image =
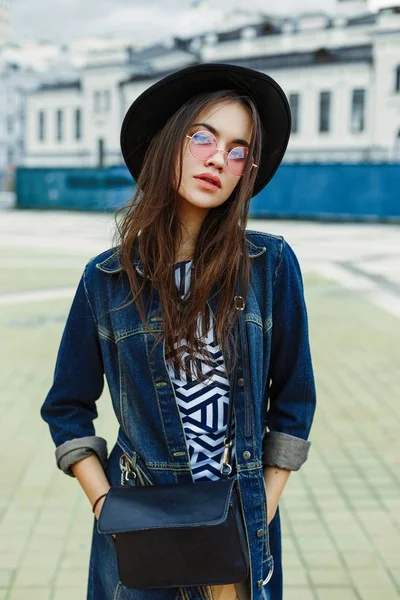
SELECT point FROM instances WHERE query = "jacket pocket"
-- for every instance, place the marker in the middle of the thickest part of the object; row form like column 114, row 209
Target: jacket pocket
column 144, row 475
column 135, row 472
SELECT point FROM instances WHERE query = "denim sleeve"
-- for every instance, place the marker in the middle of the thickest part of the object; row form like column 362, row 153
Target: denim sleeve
column 292, row 394
column 70, row 405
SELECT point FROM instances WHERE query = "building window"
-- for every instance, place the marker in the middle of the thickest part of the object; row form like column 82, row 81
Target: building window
column 10, row 124
column 10, row 156
column 78, row 124
column 41, row 126
column 106, row 100
column 96, row 102
column 294, row 101
column 102, row 101
column 100, row 152
column 324, row 111
column 397, row 80
column 59, row 125
column 397, row 147
column 358, row 111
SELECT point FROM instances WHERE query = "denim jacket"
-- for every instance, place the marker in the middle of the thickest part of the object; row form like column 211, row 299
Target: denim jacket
column 275, row 395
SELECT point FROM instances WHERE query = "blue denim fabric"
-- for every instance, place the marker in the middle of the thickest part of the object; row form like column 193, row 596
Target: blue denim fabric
column 274, row 409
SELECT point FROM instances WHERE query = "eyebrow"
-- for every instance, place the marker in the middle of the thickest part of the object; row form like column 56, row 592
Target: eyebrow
column 216, row 132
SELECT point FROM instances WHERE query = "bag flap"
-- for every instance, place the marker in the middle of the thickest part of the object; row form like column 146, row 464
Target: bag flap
column 137, row 508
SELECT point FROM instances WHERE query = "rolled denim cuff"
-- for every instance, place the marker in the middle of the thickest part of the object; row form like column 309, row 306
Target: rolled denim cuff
column 77, row 449
column 284, row 450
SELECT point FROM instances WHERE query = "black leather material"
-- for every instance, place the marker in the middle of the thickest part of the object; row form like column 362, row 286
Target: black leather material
column 135, row 508
column 177, row 535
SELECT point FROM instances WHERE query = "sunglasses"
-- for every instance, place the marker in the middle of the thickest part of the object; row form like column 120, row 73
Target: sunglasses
column 203, row 145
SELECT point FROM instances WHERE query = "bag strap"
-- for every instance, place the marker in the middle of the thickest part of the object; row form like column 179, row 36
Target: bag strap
column 239, row 332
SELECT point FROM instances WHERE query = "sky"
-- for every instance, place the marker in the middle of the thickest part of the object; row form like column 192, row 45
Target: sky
column 145, row 20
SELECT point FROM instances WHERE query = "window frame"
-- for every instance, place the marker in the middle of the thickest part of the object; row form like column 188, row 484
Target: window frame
column 41, row 125
column 354, row 93
column 295, row 113
column 59, row 124
column 78, row 123
column 325, row 128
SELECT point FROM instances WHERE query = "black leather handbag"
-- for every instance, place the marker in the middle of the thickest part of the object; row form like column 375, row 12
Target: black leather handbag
column 175, row 535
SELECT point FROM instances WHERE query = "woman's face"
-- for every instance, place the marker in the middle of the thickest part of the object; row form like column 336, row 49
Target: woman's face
column 231, row 124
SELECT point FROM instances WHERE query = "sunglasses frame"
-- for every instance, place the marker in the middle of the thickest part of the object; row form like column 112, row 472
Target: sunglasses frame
column 219, row 150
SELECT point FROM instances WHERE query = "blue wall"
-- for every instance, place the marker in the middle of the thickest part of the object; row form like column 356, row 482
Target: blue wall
column 73, row 189
column 331, row 191
column 328, row 191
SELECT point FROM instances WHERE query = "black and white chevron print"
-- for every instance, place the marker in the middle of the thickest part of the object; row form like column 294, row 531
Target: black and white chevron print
column 203, row 406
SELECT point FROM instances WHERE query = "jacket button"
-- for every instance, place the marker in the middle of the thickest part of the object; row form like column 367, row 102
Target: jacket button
column 260, row 583
column 240, row 382
column 246, row 455
column 260, row 532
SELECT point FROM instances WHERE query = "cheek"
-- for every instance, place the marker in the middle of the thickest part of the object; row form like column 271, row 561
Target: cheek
column 189, row 165
column 185, row 168
column 188, row 170
column 231, row 182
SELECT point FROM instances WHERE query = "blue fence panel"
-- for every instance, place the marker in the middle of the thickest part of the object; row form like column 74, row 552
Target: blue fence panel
column 331, row 191
column 297, row 191
column 73, row 189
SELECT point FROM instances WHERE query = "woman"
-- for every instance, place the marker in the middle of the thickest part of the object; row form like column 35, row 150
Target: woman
column 153, row 314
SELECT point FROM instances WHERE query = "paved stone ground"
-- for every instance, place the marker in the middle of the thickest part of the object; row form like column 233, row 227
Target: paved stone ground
column 340, row 512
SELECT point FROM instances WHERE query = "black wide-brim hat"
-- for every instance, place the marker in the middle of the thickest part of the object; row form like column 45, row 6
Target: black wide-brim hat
column 152, row 109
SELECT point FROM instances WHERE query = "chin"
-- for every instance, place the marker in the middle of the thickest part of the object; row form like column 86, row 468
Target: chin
column 200, row 200
column 205, row 202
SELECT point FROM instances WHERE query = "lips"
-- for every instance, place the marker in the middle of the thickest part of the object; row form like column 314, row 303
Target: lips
column 211, row 178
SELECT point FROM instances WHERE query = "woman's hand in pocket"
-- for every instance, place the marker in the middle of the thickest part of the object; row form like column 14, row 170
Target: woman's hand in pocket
column 271, row 511
column 272, row 505
column 98, row 508
column 275, row 480
column 97, row 511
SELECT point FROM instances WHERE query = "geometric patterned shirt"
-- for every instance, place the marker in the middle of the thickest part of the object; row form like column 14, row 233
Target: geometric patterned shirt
column 203, row 406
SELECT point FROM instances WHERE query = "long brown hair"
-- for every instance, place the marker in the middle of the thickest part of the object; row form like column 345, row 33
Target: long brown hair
column 151, row 221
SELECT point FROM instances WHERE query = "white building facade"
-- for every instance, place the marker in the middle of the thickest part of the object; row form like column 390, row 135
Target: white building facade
column 341, row 74
column 5, row 22
column 14, row 84
column 22, row 68
column 77, row 122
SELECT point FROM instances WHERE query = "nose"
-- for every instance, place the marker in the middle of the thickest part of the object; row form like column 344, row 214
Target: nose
column 218, row 160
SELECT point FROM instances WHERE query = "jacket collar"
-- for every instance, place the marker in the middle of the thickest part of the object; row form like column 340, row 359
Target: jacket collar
column 113, row 264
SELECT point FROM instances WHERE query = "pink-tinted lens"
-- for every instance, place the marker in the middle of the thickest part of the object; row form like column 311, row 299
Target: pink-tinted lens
column 203, row 145
column 237, row 159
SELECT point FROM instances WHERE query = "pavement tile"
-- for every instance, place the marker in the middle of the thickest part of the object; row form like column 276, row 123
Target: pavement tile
column 395, row 573
column 316, row 542
column 381, row 592
column 6, row 576
column 364, row 559
column 351, row 542
column 291, row 560
column 30, row 593
column 9, row 560
column 336, row 594
column 372, row 577
column 71, row 578
column 299, row 593
column 296, row 577
column 42, row 558
column 329, row 577
column 313, row 558
column 64, row 594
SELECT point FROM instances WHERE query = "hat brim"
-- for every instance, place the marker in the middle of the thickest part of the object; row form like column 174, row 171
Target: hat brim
column 152, row 109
